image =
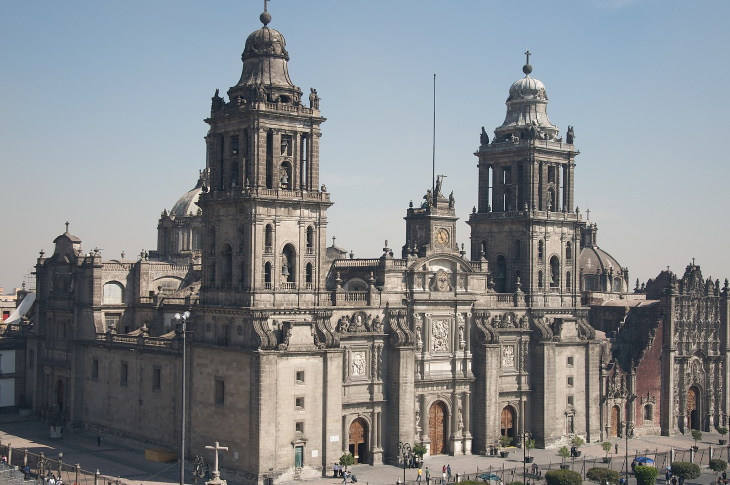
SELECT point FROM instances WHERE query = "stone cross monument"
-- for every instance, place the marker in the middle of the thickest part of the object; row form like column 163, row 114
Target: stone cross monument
column 216, row 480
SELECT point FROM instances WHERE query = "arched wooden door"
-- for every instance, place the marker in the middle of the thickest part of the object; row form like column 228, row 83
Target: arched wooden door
column 507, row 426
column 437, row 427
column 615, row 420
column 693, row 408
column 359, row 440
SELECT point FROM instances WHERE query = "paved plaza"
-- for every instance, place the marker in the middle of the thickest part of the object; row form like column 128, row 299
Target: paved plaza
column 126, row 460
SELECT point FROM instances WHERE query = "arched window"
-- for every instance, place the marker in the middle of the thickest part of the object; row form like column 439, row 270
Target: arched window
column 539, row 279
column 540, row 249
column 288, row 266
column 267, row 275
column 617, row 285
column 270, row 159
column 234, row 175
column 113, row 293
column 569, row 250
column 567, row 280
column 501, row 278
column 309, row 273
column 285, row 181
column 554, row 272
column 648, row 412
column 304, row 169
column 310, row 239
column 227, row 266
column 268, row 238
column 551, row 201
column 507, row 202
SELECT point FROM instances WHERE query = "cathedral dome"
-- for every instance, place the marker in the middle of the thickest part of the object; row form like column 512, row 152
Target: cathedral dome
column 187, row 205
column 265, row 73
column 526, row 111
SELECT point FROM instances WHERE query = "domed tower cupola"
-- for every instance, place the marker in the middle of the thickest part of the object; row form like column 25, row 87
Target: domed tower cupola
column 265, row 75
column 526, row 110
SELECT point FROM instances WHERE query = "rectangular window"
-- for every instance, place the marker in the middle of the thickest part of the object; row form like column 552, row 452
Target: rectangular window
column 95, row 369
column 220, row 392
column 299, row 402
column 570, row 382
column 571, row 400
column 123, row 374
column 156, row 378
column 299, row 427
column 300, row 377
column 570, row 361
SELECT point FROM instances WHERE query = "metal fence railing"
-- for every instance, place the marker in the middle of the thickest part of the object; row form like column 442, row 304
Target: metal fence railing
column 35, row 467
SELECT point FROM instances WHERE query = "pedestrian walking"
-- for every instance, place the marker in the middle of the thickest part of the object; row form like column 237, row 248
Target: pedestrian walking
column 428, row 476
column 615, row 448
column 448, row 471
column 420, row 474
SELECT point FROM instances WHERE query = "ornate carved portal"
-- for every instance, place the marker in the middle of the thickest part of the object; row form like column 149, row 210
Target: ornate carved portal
column 615, row 420
column 359, row 440
column 693, row 411
column 507, row 422
column 437, row 427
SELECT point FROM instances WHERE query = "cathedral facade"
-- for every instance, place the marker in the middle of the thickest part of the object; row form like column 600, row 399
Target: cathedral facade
column 297, row 354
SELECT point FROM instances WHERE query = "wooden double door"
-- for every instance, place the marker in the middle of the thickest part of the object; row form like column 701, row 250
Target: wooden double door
column 438, row 428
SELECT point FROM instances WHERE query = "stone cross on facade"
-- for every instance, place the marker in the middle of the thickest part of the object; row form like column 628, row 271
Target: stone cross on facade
column 216, row 474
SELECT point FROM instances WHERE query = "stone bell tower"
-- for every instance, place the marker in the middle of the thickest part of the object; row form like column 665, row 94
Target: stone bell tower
column 264, row 211
column 526, row 224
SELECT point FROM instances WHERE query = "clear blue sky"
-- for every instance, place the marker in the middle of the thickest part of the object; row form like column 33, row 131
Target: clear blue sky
column 102, row 106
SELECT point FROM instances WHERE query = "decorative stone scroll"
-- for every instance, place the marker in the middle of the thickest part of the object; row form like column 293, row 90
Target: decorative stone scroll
column 486, row 334
column 400, row 332
column 322, row 331
column 263, row 336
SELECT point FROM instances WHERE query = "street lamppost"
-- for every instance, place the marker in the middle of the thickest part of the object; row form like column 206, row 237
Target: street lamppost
column 60, row 463
column 182, row 322
column 526, row 435
column 404, row 450
column 627, row 428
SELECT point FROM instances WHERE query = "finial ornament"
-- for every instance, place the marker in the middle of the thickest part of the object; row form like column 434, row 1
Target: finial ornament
column 527, row 68
column 66, row 226
column 265, row 16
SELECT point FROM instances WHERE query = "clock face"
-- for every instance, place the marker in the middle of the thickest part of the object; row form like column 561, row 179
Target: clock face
column 442, row 236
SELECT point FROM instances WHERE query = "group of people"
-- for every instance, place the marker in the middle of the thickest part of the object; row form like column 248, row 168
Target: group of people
column 50, row 479
column 339, row 471
column 721, row 480
column 445, row 474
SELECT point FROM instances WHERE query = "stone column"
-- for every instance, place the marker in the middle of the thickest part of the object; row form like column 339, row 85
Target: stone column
column 455, row 437
column 466, row 413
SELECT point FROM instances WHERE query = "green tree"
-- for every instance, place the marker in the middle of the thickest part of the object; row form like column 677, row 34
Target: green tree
column 603, row 475
column 529, row 445
column 564, row 453
column 505, row 441
column 722, row 430
column 563, row 477
column 718, row 465
column 645, row 475
column 419, row 450
column 577, row 441
column 696, row 435
column 685, row 470
column 606, row 445
column 347, row 460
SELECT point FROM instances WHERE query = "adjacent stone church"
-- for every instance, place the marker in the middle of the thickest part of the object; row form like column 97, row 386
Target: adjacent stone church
column 297, row 353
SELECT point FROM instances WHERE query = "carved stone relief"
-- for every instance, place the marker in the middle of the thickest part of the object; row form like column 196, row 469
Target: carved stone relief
column 440, row 335
column 508, row 356
column 359, row 364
